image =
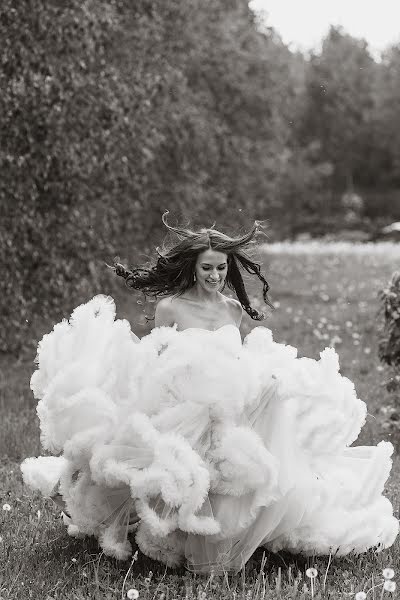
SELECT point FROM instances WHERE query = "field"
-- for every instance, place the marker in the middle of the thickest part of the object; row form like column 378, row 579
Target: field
column 324, row 296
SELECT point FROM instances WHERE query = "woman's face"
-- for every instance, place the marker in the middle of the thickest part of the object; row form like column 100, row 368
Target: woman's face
column 211, row 269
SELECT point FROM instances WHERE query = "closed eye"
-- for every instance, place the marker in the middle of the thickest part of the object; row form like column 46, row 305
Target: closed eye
column 220, row 267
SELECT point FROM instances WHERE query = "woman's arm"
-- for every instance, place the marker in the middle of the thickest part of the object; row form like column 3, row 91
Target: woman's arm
column 164, row 315
column 237, row 311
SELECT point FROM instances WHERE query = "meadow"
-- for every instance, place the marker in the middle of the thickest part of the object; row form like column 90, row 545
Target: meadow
column 325, row 295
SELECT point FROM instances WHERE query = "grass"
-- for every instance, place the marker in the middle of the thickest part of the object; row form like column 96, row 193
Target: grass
column 322, row 298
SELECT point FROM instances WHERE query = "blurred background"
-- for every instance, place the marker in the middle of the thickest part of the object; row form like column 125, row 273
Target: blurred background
column 113, row 111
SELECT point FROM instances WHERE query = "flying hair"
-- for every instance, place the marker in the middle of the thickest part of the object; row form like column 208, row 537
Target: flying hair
column 172, row 272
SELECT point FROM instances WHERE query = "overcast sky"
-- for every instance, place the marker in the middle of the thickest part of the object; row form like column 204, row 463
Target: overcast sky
column 304, row 23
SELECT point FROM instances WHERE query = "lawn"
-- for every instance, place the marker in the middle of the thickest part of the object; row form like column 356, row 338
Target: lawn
column 323, row 296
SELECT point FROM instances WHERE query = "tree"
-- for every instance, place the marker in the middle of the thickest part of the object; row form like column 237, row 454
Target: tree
column 387, row 118
column 340, row 106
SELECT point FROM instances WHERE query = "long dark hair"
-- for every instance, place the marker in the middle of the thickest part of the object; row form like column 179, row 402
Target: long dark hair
column 173, row 272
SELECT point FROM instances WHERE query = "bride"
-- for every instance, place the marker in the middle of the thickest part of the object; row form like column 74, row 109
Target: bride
column 197, row 445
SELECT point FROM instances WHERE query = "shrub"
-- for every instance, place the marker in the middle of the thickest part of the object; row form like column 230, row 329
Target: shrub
column 389, row 345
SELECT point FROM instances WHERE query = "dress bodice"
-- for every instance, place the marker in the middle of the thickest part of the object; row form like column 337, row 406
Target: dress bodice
column 231, row 325
column 227, row 336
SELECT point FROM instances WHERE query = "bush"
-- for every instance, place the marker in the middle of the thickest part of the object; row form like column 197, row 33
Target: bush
column 389, row 345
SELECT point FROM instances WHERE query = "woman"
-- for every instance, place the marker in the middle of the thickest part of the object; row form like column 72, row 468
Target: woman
column 204, row 446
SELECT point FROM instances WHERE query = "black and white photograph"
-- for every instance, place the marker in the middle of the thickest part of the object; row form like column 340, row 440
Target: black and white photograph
column 199, row 299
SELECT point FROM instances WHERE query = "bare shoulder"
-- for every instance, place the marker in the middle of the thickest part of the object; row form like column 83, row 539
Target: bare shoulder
column 165, row 312
column 236, row 309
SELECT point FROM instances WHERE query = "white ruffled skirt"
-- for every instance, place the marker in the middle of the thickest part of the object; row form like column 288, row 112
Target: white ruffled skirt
column 201, row 447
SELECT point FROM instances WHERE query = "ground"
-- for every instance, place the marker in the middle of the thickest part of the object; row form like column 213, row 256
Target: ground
column 323, row 297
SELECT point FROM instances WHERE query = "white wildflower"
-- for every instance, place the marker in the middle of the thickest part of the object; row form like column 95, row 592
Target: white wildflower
column 360, row 596
column 132, row 594
column 388, row 573
column 39, row 514
column 6, row 507
column 73, row 560
column 389, row 586
column 312, row 573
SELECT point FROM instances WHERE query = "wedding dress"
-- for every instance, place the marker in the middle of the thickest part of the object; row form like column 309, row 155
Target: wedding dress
column 201, row 448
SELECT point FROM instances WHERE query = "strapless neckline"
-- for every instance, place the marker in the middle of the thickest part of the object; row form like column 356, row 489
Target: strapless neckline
column 210, row 330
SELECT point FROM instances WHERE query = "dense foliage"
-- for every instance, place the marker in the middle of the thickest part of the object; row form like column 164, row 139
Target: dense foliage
column 389, row 352
column 112, row 111
column 389, row 346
